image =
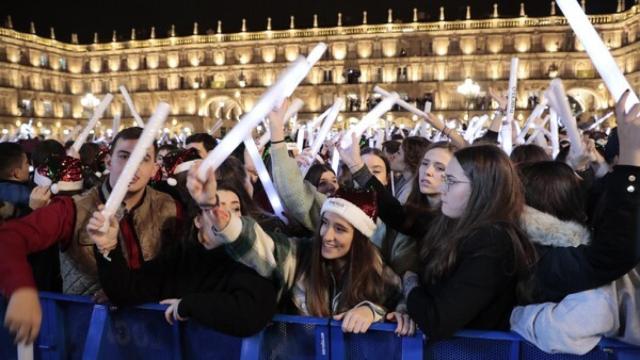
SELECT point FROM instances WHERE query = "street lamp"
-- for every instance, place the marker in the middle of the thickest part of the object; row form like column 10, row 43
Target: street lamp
column 469, row 89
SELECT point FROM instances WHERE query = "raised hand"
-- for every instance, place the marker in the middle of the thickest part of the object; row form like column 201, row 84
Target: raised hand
column 499, row 98
column 277, row 120
column 204, row 193
column 351, row 154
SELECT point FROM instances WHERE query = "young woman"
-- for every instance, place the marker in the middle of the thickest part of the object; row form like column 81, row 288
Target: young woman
column 336, row 273
column 323, row 178
column 471, row 250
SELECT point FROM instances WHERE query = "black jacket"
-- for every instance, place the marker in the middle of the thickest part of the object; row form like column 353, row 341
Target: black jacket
column 614, row 251
column 215, row 290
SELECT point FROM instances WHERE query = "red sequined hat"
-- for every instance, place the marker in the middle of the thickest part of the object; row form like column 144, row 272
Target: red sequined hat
column 61, row 173
column 179, row 161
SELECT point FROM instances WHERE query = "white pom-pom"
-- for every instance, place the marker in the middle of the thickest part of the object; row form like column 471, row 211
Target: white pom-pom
column 172, row 182
column 54, row 188
column 98, row 174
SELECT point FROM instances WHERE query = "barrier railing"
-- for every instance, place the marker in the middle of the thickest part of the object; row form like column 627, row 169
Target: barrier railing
column 75, row 328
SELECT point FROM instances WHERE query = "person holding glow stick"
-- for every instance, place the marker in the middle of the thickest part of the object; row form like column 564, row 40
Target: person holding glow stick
column 147, row 219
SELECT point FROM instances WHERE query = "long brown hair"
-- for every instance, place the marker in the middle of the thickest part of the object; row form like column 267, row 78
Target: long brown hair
column 417, row 202
column 496, row 199
column 361, row 276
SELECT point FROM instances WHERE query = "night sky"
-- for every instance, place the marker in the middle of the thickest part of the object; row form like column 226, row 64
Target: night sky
column 104, row 16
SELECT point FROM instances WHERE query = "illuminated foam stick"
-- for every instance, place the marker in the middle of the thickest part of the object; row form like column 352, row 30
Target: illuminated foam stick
column 427, row 106
column 274, row 96
column 405, row 105
column 538, row 129
column 97, row 114
column 216, row 126
column 536, row 113
column 115, row 125
column 300, row 138
column 326, row 126
column 369, row 119
column 506, row 130
column 558, row 100
column 597, row 51
column 311, row 126
column 335, row 160
column 132, row 108
column 553, row 126
column 144, row 142
column 600, row 121
column 25, row 352
column 265, row 179
column 324, row 130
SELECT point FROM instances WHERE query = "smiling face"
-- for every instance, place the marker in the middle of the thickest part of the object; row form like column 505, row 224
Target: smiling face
column 432, row 168
column 337, row 235
column 117, row 160
column 456, row 190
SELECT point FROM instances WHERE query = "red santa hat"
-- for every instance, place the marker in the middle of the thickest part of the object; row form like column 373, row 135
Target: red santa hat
column 358, row 207
column 61, row 173
column 179, row 161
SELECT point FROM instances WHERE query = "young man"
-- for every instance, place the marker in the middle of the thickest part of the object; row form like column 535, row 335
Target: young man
column 202, row 142
column 147, row 219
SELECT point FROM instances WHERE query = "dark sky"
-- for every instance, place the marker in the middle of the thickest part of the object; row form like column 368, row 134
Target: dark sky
column 104, row 16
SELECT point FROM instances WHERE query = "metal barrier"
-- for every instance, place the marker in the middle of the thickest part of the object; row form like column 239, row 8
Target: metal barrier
column 75, row 328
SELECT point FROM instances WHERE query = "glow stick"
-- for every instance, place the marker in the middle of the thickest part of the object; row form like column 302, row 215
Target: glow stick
column 506, row 130
column 300, row 138
column 216, row 126
column 273, row 97
column 427, row 107
column 600, row 121
column 326, row 126
column 538, row 129
column 597, row 51
column 335, row 160
column 115, row 127
column 415, row 130
column 369, row 119
column 324, row 130
column 25, row 352
column 559, row 101
column 265, row 179
column 537, row 111
column 132, row 108
column 290, row 86
column 405, row 105
column 97, row 114
column 313, row 124
column 284, row 86
column 555, row 142
column 146, row 139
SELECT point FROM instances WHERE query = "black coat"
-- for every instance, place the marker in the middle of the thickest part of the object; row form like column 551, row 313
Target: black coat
column 215, row 290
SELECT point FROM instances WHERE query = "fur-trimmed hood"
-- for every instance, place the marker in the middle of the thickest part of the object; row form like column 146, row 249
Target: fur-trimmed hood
column 546, row 229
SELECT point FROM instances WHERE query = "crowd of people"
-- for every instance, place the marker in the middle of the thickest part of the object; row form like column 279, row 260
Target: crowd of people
column 430, row 232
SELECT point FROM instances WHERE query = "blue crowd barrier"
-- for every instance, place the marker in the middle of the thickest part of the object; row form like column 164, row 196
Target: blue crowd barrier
column 75, row 328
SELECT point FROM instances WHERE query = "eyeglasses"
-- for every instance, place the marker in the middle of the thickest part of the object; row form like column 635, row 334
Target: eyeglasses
column 449, row 181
